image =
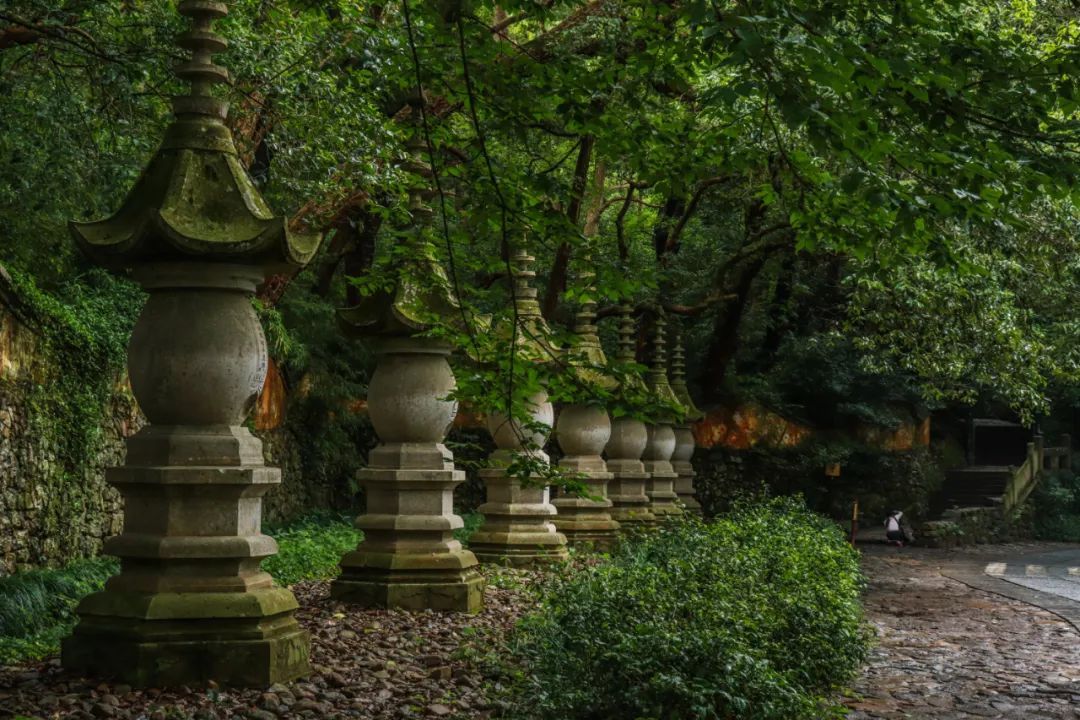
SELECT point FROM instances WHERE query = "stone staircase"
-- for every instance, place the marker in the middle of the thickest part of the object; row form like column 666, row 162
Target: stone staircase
column 975, row 486
column 977, row 503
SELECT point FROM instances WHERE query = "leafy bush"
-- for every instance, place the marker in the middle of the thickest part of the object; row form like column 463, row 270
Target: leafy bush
column 756, row 616
column 1055, row 507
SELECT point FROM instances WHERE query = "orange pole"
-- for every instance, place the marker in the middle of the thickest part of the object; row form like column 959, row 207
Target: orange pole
column 854, row 520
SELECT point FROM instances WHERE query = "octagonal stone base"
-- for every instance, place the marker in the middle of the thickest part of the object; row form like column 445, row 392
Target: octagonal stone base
column 171, row 639
column 518, row 528
column 446, row 580
column 588, row 522
column 409, row 558
column 663, row 501
column 463, row 592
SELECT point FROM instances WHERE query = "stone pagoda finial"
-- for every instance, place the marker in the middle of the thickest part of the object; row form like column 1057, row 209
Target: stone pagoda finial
column 583, row 430
column 409, row 558
column 627, row 351
column 518, row 528
column 678, row 377
column 661, row 444
column 658, row 362
column 684, row 435
column 533, row 337
column 200, row 72
column 191, row 602
column 629, row 437
column 588, row 357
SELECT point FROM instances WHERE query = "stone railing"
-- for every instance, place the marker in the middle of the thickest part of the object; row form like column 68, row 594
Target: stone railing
column 1026, row 477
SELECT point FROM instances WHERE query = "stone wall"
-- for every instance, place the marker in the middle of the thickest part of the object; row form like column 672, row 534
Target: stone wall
column 51, row 509
column 55, row 509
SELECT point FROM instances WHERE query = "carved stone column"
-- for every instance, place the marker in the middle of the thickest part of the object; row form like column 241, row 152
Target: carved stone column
column 518, row 527
column 582, row 432
column 629, row 437
column 663, row 501
column 518, row 515
column 684, row 434
column 409, row 558
column 191, row 602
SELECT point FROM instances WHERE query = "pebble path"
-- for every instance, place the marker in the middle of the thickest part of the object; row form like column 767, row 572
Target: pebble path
column 948, row 651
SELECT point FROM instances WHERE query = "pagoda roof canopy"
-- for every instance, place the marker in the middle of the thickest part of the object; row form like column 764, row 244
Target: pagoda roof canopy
column 195, row 201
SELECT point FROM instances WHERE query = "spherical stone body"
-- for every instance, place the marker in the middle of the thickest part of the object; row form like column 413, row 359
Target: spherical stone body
column 407, row 397
column 583, row 430
column 628, row 439
column 661, row 443
column 508, row 435
column 197, row 356
column 684, row 444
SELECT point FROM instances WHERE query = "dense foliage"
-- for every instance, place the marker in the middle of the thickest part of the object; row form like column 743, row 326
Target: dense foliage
column 756, row 616
column 895, row 178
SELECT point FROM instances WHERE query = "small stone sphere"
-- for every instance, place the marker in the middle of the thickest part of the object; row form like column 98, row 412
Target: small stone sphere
column 508, row 435
column 628, row 439
column 407, row 397
column 661, row 444
column 684, row 444
column 197, row 357
column 582, row 430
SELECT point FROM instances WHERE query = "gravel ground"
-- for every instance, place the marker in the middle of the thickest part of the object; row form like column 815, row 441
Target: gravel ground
column 367, row 664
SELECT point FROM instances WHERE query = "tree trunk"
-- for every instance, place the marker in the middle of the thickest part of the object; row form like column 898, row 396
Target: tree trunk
column 561, row 267
column 725, row 340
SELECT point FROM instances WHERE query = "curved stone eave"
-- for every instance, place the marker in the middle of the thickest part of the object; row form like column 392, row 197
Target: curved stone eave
column 154, row 223
column 107, row 242
column 682, row 393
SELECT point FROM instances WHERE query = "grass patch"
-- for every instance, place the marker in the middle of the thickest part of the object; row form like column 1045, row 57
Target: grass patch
column 37, row 606
column 473, row 521
column 310, row 548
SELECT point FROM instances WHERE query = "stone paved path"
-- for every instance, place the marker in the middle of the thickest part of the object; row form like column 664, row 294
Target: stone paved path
column 946, row 650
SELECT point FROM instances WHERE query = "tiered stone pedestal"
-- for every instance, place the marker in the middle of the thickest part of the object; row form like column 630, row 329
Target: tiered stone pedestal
column 680, row 463
column 630, row 504
column 191, row 603
column 583, row 432
column 663, row 502
column 518, row 528
column 409, row 558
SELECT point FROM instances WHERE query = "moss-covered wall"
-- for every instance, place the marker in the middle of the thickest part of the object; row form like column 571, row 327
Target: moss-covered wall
column 51, row 508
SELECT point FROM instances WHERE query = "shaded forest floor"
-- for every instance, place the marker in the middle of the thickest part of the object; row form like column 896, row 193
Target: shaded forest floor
column 367, row 664
column 947, row 651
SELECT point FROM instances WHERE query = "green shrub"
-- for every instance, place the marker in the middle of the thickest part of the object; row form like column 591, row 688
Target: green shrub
column 1055, row 507
column 755, row 616
column 473, row 521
